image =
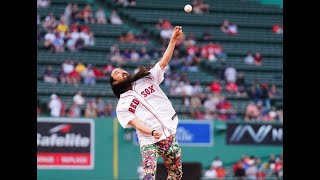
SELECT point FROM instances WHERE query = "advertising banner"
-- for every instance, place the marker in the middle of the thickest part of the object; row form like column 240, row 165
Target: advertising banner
column 192, row 133
column 65, row 143
column 254, row 134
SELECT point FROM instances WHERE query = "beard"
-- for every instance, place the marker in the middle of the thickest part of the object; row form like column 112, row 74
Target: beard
column 126, row 85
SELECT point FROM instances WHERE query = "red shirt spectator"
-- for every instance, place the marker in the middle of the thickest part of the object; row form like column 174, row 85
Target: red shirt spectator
column 221, row 172
column 84, row 28
column 224, row 104
column 97, row 72
column 277, row 29
column 257, row 59
column 192, row 50
column 166, row 24
column 232, row 87
column 215, row 87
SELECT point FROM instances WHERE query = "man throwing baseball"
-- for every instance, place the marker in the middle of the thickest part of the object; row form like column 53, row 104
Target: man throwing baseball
column 143, row 105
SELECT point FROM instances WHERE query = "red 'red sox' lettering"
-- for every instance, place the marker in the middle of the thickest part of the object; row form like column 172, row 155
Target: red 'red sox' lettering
column 148, row 91
column 133, row 105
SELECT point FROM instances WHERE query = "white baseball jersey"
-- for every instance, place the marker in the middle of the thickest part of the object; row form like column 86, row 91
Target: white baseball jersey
column 148, row 103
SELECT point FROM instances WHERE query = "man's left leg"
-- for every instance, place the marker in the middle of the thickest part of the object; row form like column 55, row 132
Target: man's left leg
column 172, row 160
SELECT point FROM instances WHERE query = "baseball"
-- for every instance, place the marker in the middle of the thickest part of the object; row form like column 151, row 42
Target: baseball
column 187, row 8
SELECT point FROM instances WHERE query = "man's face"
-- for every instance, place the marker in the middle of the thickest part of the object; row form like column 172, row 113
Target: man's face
column 119, row 75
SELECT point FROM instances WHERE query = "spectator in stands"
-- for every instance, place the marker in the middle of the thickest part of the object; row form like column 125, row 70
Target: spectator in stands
column 80, row 67
column 229, row 28
column 217, row 50
column 74, row 111
column 125, row 3
column 67, row 13
column 63, row 77
column 239, row 171
column 217, row 162
column 91, row 109
column 232, row 116
column 166, row 32
column 143, row 53
column 48, row 75
column 232, row 87
column 67, row 66
column 277, row 29
column 109, row 110
column 115, row 18
column 210, row 173
column 101, row 107
column 206, row 36
column 199, row 7
column 128, row 37
column 55, row 106
column 190, row 40
column 210, row 103
column 195, row 102
column 197, row 89
column 230, row 74
column 87, row 14
column 215, row 87
column 159, row 24
column 69, row 42
column 58, row 43
column 97, row 72
column 62, row 27
column 257, row 58
column 232, row 29
column 280, row 115
column 193, row 63
column 256, row 90
column 49, row 22
column 74, row 77
column 134, row 55
column 43, row 3
column 89, row 76
column 265, row 96
column 252, row 112
column 273, row 92
column 223, row 108
column 78, row 99
column 49, row 37
column 242, row 89
column 197, row 114
column 100, row 16
column 249, row 59
column 252, row 170
column 225, row 26
column 75, row 13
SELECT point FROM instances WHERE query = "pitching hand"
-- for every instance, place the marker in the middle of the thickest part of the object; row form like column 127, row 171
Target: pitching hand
column 177, row 33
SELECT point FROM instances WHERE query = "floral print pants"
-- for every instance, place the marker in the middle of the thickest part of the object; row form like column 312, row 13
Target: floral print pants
column 170, row 151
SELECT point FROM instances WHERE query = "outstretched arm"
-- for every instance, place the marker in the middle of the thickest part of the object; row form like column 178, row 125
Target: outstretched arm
column 144, row 129
column 176, row 35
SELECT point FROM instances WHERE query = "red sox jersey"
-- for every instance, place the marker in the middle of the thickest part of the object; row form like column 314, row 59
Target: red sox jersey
column 148, row 103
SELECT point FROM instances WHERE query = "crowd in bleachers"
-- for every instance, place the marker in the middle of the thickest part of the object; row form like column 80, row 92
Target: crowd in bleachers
column 248, row 167
column 72, row 32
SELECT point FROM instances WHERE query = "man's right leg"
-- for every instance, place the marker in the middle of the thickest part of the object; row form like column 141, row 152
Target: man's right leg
column 149, row 158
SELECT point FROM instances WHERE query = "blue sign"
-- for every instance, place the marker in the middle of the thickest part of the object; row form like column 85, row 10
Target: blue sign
column 191, row 133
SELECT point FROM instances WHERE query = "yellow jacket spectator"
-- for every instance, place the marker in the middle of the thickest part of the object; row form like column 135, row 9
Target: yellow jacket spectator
column 62, row 27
